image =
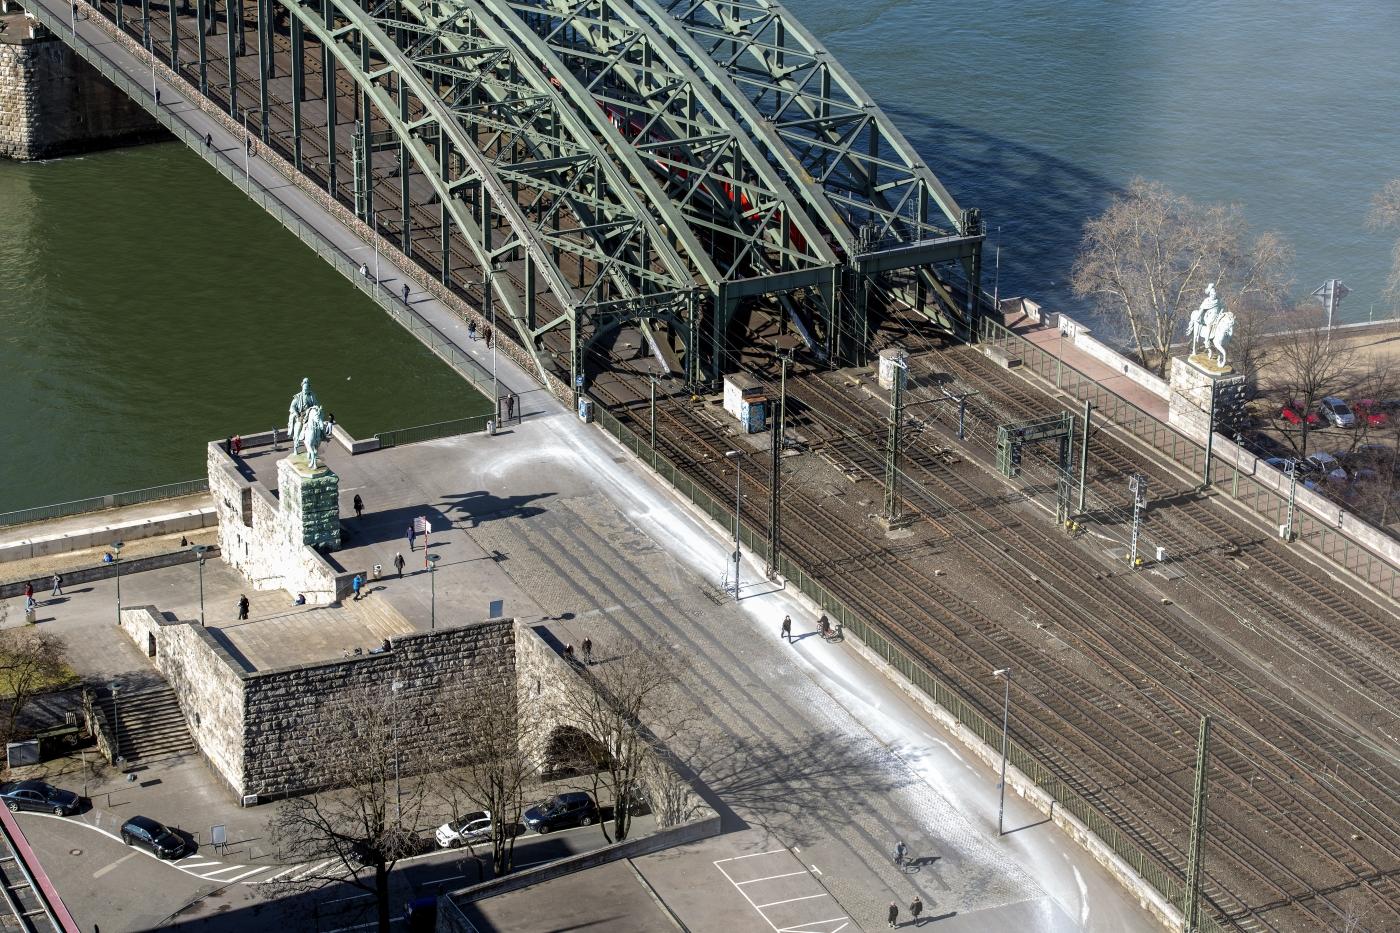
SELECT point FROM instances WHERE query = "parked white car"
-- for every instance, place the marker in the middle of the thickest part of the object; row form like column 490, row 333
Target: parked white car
column 471, row 828
column 1338, row 412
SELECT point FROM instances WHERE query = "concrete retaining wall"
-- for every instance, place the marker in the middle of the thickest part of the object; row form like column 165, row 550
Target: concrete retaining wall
column 105, row 571
column 41, row 545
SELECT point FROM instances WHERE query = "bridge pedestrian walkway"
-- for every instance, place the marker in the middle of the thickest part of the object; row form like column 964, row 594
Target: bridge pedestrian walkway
column 1049, row 339
column 256, row 175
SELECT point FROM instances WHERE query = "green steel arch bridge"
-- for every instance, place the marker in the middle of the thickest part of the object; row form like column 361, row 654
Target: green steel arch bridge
column 573, row 166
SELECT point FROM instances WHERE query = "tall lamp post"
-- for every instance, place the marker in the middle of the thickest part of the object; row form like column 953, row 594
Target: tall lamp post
column 432, row 584
column 199, row 550
column 734, row 455
column 398, row 799
column 117, row 551
column 1005, row 721
column 116, row 727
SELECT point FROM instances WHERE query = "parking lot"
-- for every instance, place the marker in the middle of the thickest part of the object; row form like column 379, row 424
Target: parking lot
column 784, row 893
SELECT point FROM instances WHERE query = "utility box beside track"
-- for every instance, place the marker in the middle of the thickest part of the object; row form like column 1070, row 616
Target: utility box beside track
column 744, row 399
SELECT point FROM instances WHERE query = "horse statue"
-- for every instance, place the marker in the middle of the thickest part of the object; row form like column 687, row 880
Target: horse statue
column 314, row 429
column 1204, row 317
column 302, row 402
column 1219, row 334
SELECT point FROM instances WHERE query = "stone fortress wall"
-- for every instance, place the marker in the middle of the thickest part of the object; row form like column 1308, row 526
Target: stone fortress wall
column 254, row 542
column 53, row 103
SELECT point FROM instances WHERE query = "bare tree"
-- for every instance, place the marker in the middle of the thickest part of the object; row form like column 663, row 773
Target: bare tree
column 1307, row 367
column 502, row 751
column 631, row 706
column 367, row 813
column 31, row 663
column 1146, row 261
column 1385, row 213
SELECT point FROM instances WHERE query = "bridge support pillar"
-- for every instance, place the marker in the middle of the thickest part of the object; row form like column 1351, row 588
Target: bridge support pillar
column 53, row 103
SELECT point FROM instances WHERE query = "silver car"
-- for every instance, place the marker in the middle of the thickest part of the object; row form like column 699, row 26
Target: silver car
column 1337, row 411
column 470, row 828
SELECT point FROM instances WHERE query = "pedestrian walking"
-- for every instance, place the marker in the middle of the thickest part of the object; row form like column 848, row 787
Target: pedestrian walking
column 30, row 607
column 405, row 294
column 28, row 589
column 486, row 333
column 787, row 629
column 471, row 330
column 894, row 915
column 208, row 140
column 398, row 563
column 510, row 407
column 569, row 652
column 359, row 506
column 588, row 651
column 412, row 534
column 356, row 584
column 57, row 585
column 228, row 445
column 916, row 907
column 242, row 607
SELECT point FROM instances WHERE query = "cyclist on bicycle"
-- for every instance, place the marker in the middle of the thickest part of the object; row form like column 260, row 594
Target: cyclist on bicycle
column 899, row 852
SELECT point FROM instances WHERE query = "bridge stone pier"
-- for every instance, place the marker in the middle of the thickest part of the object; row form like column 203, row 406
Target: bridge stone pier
column 53, row 103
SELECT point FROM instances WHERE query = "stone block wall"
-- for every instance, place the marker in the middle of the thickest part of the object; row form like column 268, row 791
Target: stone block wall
column 207, row 681
column 53, row 103
column 255, row 539
column 286, row 710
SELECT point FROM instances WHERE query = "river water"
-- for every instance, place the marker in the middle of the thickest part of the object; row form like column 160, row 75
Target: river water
column 146, row 306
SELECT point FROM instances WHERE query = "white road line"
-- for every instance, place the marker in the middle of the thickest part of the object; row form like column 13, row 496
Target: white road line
column 102, row 871
column 811, row 922
column 251, row 871
column 753, row 855
column 771, row 877
column 220, row 871
column 311, row 871
column 790, row 900
column 771, row 924
column 186, row 865
column 285, row 871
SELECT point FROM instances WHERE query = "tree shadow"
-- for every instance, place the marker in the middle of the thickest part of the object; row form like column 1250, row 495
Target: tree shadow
column 810, row 780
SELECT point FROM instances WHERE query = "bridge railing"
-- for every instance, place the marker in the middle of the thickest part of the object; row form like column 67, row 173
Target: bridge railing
column 1269, row 503
column 42, row 513
column 230, row 166
column 429, row 432
column 1153, row 868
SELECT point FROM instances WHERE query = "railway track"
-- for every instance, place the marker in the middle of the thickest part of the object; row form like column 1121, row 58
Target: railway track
column 1265, row 776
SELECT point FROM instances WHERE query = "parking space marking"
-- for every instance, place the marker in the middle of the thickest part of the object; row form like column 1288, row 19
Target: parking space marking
column 311, row 871
column 102, row 871
column 790, row 924
column 220, row 871
column 771, row 877
column 250, row 872
column 789, row 900
column 285, row 871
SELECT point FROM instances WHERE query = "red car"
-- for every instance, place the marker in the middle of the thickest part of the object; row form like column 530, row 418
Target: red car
column 1290, row 413
column 1371, row 412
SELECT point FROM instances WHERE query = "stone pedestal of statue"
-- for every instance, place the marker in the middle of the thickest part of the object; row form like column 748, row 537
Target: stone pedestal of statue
column 1192, row 381
column 310, row 502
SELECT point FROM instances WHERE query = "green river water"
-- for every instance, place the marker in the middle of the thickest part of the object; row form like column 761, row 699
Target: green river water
column 147, row 306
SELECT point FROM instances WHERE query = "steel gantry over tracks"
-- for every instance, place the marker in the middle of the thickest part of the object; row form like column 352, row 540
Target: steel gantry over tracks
column 574, row 166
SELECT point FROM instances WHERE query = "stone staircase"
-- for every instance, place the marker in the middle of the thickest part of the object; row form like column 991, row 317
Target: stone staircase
column 148, row 723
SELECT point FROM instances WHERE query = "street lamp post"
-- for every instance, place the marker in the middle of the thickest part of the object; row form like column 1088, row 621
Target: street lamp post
column 116, row 726
column 247, row 152
column 735, row 455
column 398, row 799
column 117, row 551
column 432, row 584
column 1005, row 721
column 199, row 550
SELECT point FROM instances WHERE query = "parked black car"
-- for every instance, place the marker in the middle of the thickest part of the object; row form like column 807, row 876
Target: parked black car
column 40, row 797
column 561, row 811
column 157, row 838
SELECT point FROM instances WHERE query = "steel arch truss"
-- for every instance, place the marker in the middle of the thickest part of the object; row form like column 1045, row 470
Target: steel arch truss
column 827, row 131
